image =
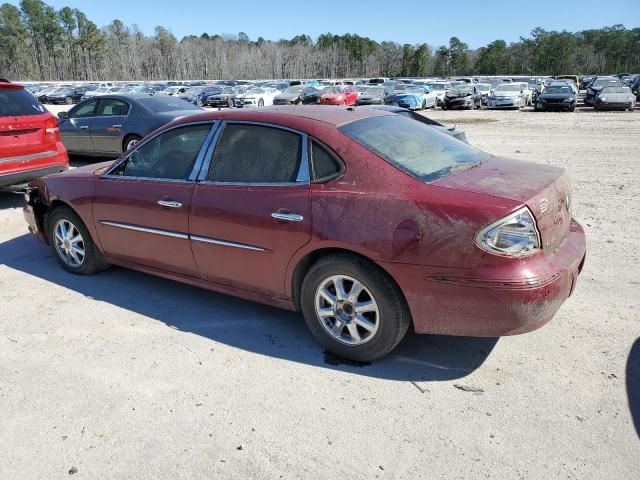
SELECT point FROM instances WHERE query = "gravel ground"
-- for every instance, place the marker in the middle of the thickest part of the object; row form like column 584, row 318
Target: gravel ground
column 123, row 375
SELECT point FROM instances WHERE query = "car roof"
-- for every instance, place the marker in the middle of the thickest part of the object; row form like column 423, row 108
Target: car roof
column 333, row 115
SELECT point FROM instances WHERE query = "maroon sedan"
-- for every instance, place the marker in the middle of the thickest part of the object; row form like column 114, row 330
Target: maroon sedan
column 364, row 220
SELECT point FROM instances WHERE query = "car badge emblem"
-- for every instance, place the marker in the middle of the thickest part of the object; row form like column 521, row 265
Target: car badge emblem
column 544, row 205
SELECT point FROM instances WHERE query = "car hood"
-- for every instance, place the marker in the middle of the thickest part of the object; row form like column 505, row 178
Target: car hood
column 287, row 96
column 616, row 97
column 555, row 96
column 506, row 93
column 545, row 189
column 457, row 94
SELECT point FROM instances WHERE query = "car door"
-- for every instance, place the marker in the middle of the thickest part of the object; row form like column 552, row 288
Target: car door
column 76, row 128
column 106, row 126
column 141, row 205
column 251, row 210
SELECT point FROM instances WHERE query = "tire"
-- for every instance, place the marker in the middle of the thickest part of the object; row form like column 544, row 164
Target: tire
column 79, row 264
column 68, row 100
column 130, row 141
column 261, row 103
column 424, row 105
column 572, row 109
column 199, row 102
column 375, row 333
column 232, row 103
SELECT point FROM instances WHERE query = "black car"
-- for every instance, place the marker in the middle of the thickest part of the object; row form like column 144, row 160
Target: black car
column 226, row 97
column 556, row 97
column 291, row 96
column 463, row 96
column 373, row 96
column 585, row 80
column 108, row 125
column 596, row 85
column 452, row 131
column 67, row 95
column 635, row 87
column 311, row 95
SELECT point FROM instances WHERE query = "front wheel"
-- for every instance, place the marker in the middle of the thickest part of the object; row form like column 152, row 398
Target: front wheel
column 68, row 100
column 261, row 103
column 232, row 103
column 71, row 243
column 353, row 308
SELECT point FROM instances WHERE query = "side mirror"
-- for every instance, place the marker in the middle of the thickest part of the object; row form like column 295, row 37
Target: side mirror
column 63, row 115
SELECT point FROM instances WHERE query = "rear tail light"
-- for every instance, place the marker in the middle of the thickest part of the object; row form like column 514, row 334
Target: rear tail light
column 51, row 129
column 516, row 235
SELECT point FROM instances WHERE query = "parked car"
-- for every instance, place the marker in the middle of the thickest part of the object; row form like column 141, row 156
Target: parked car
column 67, row 96
column 291, row 96
column 30, row 143
column 372, row 96
column 507, row 95
column 43, row 97
column 615, row 98
column 484, row 89
column 440, row 89
column 585, row 80
column 452, row 131
column 224, row 98
column 635, row 87
column 257, row 97
column 596, row 86
column 339, row 95
column 407, row 223
column 202, row 99
column 174, row 90
column 558, row 96
column 571, row 78
column 111, row 124
column 462, row 96
column 311, row 95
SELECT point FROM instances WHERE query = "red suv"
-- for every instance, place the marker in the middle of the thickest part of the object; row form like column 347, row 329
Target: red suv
column 30, row 145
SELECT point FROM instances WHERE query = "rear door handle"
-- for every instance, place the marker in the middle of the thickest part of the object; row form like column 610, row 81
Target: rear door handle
column 287, row 217
column 116, row 126
column 84, row 127
column 169, row 203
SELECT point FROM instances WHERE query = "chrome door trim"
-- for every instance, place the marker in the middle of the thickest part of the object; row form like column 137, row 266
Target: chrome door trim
column 303, row 177
column 169, row 203
column 225, row 243
column 136, row 228
column 289, row 217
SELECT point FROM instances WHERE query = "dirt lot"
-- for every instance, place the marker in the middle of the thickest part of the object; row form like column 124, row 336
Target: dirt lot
column 123, row 375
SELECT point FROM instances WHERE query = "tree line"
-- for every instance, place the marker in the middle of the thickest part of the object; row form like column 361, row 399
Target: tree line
column 38, row 42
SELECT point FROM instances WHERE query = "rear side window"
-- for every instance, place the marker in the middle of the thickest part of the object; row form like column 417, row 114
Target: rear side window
column 256, row 154
column 415, row 148
column 112, row 107
column 16, row 102
column 324, row 164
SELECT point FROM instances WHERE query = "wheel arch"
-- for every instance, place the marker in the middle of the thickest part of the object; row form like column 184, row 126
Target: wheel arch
column 303, row 265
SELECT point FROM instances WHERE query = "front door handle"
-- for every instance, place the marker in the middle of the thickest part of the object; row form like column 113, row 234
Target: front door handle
column 84, row 127
column 116, row 126
column 287, row 217
column 169, row 203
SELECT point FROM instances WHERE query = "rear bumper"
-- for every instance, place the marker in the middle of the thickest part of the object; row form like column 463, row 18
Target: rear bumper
column 28, row 174
column 507, row 297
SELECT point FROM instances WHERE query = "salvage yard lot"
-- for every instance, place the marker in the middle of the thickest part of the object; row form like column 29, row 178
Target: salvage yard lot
column 123, row 375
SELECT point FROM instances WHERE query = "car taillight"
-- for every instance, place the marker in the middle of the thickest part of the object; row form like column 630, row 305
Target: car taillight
column 51, row 129
column 516, row 234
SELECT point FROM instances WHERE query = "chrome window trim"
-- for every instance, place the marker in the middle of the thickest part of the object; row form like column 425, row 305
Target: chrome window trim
column 203, row 148
column 137, row 228
column 183, row 236
column 303, row 177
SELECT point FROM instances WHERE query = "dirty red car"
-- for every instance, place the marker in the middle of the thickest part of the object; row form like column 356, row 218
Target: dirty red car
column 366, row 221
column 339, row 95
column 30, row 143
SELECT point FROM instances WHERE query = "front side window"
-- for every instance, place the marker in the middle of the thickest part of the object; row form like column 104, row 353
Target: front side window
column 415, row 148
column 112, row 107
column 170, row 155
column 256, row 154
column 85, row 110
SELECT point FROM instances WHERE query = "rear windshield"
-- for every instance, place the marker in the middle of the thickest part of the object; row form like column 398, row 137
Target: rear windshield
column 418, row 149
column 166, row 104
column 16, row 102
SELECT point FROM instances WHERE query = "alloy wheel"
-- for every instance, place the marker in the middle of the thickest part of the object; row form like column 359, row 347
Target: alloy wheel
column 69, row 243
column 347, row 310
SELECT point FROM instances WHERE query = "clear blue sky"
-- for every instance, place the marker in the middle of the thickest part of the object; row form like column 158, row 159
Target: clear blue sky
column 474, row 22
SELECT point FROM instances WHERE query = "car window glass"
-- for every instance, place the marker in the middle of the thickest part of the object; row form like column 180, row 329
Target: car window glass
column 324, row 163
column 170, row 155
column 83, row 111
column 111, row 107
column 255, row 154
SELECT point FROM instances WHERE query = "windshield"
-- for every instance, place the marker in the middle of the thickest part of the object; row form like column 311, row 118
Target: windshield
column 374, row 92
column 18, row 102
column 461, row 89
column 415, row 89
column 605, row 81
column 616, row 90
column 437, row 86
column 164, row 104
column 255, row 91
column 414, row 147
column 334, row 90
column 508, row 87
column 294, row 90
column 559, row 89
column 102, row 90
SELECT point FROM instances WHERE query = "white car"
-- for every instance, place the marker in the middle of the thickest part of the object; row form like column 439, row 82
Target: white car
column 440, row 89
column 528, row 92
column 257, row 97
column 507, row 95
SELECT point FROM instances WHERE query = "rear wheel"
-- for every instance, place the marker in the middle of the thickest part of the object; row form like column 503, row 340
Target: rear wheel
column 261, row 103
column 71, row 243
column 352, row 308
column 232, row 103
column 68, row 100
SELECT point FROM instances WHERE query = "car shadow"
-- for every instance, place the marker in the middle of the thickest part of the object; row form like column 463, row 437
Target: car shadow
column 10, row 199
column 633, row 384
column 246, row 325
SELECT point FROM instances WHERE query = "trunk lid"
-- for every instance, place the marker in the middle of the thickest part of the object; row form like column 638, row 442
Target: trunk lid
column 24, row 135
column 545, row 189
